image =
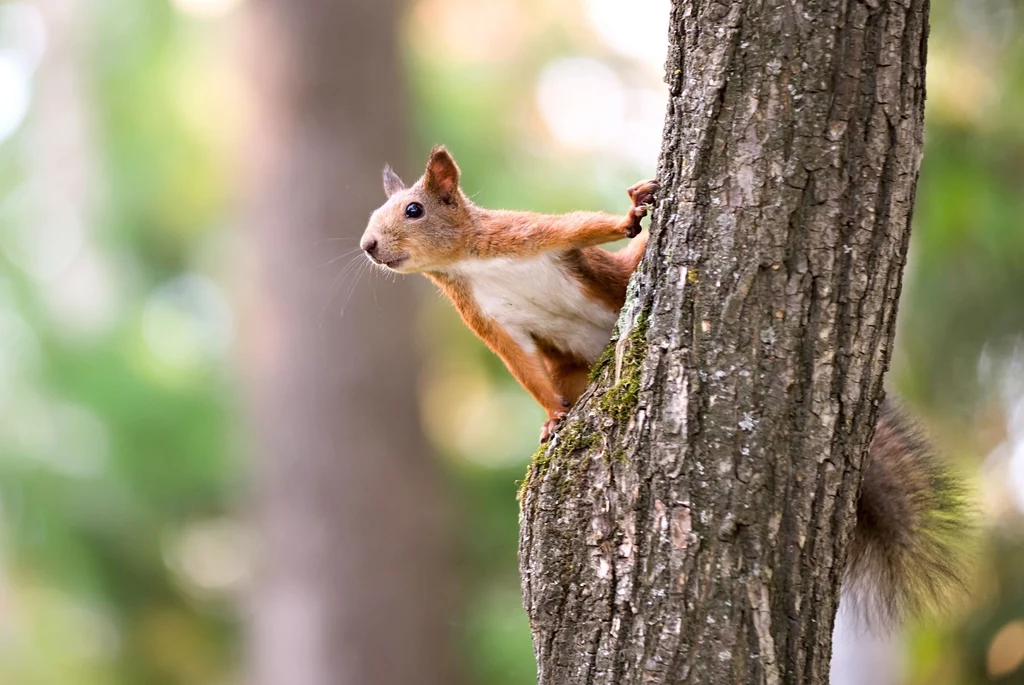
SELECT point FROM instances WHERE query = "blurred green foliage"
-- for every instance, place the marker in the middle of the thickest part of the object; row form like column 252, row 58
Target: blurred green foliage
column 121, row 556
column 91, row 587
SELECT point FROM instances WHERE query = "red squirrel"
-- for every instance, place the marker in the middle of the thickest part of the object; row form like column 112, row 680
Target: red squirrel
column 542, row 294
column 536, row 288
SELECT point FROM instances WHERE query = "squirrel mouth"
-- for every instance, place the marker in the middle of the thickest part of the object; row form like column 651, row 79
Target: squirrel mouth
column 393, row 263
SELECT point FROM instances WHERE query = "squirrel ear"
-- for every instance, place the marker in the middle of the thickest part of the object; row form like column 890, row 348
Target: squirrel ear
column 442, row 177
column 392, row 184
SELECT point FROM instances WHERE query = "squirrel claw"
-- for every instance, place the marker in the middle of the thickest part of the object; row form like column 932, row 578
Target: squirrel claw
column 547, row 429
column 642, row 196
column 643, row 193
column 633, row 228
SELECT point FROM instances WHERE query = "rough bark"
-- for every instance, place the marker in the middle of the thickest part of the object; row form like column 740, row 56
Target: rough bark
column 689, row 521
column 353, row 585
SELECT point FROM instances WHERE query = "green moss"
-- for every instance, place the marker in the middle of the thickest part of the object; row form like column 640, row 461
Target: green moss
column 606, row 358
column 567, row 442
column 620, row 400
column 573, row 443
column 574, row 438
column 539, row 463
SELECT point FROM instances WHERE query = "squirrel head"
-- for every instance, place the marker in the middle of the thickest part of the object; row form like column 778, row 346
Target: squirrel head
column 421, row 227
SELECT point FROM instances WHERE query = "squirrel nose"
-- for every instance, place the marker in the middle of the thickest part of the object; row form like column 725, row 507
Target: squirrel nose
column 369, row 245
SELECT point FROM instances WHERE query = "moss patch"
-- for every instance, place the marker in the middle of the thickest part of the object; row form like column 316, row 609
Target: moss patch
column 620, row 400
column 619, row 457
column 606, row 358
column 568, row 441
column 574, row 442
column 574, row 439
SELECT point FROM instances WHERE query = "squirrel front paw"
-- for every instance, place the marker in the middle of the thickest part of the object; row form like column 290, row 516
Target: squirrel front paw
column 643, row 193
column 642, row 197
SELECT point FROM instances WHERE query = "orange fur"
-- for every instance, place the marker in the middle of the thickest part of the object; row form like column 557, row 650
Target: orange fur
column 536, row 288
column 526, row 369
column 501, row 233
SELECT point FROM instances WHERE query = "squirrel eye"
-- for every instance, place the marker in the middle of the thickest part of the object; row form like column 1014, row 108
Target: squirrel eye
column 414, row 210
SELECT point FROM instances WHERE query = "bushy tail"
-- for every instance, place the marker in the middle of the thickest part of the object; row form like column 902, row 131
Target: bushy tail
column 907, row 551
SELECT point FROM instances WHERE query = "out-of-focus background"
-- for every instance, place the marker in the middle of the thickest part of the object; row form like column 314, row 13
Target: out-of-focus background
column 146, row 483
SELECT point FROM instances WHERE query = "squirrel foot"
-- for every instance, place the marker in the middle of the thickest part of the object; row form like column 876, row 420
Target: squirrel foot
column 547, row 429
column 642, row 197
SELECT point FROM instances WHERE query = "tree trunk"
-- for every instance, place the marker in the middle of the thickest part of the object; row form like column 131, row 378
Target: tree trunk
column 689, row 521
column 353, row 586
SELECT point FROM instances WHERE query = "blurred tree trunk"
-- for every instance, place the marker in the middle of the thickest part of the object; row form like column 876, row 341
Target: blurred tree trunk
column 689, row 522
column 353, row 584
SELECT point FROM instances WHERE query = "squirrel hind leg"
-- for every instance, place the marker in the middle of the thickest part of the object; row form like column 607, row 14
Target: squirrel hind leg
column 569, row 373
column 569, row 376
column 632, row 253
column 905, row 555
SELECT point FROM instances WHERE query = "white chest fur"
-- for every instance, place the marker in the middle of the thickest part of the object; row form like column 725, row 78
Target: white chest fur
column 540, row 297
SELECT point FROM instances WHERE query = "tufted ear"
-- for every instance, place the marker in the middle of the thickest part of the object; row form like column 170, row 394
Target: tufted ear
column 392, row 184
column 442, row 176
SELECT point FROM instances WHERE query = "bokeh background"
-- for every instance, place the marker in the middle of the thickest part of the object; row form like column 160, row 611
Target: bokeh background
column 129, row 470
